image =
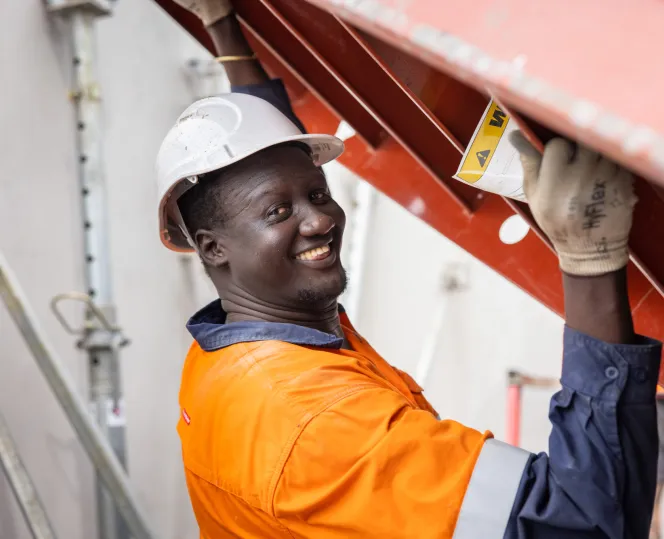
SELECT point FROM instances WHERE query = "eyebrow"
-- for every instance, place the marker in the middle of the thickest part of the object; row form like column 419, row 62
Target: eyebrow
column 260, row 193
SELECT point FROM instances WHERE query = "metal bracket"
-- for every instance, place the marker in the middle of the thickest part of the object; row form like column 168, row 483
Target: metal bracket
column 97, row 331
column 87, row 300
column 517, row 378
column 514, row 378
column 96, row 7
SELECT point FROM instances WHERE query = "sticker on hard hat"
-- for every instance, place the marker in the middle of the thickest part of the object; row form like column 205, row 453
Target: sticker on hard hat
column 490, row 162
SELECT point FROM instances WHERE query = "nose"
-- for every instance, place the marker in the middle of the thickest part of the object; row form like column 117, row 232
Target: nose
column 316, row 223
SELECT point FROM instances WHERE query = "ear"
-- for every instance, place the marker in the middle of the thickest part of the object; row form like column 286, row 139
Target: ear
column 211, row 248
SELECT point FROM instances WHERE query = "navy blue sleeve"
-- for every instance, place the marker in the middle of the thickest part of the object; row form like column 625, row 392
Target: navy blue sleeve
column 274, row 92
column 599, row 478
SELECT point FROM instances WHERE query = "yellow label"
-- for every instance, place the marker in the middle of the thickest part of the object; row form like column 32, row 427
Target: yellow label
column 483, row 145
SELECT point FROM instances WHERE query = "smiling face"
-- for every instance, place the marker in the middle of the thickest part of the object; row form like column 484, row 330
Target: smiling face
column 277, row 238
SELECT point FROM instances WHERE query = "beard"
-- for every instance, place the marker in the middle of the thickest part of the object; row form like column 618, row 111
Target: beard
column 323, row 295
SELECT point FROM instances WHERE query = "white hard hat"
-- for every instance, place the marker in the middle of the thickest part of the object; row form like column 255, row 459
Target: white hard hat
column 213, row 133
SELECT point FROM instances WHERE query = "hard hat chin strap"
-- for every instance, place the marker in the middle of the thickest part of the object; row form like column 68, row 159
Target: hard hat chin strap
column 180, row 220
column 185, row 232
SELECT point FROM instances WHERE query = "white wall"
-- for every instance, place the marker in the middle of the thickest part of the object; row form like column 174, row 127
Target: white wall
column 490, row 326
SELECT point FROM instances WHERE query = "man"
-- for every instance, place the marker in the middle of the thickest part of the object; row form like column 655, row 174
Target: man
column 293, row 426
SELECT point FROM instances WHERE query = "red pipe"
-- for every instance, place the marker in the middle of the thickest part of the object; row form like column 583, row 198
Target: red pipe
column 513, row 423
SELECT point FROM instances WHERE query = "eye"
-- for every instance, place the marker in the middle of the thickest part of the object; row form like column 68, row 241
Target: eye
column 280, row 211
column 322, row 195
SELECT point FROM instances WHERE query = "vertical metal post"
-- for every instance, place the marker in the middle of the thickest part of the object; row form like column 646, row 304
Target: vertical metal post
column 105, row 391
column 100, row 340
column 22, row 486
column 516, row 381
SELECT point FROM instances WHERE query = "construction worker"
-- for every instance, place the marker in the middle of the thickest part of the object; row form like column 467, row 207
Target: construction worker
column 293, row 426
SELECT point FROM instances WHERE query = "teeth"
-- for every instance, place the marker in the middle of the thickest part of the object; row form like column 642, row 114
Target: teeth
column 313, row 253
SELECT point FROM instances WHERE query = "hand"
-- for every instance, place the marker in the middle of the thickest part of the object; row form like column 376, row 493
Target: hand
column 582, row 201
column 209, row 11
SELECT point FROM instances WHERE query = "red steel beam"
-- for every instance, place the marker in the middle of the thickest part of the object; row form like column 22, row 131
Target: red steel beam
column 573, row 65
column 459, row 100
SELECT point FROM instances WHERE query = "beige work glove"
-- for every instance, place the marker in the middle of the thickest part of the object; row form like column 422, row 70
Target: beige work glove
column 582, row 201
column 209, row 11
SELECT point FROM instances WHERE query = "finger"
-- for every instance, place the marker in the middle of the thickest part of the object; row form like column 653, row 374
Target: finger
column 554, row 170
column 585, row 157
column 523, row 145
column 605, row 169
column 625, row 183
column 558, row 153
column 529, row 186
column 530, row 161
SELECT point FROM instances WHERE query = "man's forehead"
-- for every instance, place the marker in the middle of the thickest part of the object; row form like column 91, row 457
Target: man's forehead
column 282, row 156
column 258, row 174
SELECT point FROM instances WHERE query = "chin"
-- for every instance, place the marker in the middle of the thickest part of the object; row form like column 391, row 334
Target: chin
column 328, row 290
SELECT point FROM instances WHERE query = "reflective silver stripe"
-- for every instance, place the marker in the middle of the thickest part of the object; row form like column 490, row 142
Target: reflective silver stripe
column 490, row 495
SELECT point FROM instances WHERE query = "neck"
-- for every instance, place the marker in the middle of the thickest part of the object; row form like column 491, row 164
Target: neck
column 321, row 317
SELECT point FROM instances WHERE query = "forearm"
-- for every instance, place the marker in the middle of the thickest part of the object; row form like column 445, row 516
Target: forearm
column 599, row 306
column 248, row 76
column 230, row 41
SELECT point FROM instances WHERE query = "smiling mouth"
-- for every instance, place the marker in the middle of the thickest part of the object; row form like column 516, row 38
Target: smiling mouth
column 319, row 253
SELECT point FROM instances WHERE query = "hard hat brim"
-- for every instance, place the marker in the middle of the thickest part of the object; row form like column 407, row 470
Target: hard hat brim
column 324, row 148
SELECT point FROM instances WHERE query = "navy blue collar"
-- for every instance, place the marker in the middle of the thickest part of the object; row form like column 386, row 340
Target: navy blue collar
column 208, row 326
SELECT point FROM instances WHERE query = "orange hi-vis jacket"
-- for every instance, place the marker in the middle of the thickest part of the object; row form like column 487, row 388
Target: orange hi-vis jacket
column 286, row 434
column 282, row 440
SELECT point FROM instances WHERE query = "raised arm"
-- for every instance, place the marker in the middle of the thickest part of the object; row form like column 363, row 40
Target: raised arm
column 230, row 42
column 599, row 477
column 244, row 70
column 599, row 306
column 584, row 203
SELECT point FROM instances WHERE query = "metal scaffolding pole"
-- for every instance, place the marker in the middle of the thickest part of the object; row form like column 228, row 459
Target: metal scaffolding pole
column 100, row 337
column 97, row 447
column 22, row 486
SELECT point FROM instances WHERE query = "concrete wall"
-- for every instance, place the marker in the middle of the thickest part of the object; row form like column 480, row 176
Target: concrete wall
column 489, row 326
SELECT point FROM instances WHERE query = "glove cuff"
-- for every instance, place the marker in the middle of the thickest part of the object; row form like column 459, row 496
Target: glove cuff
column 591, row 262
column 215, row 11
